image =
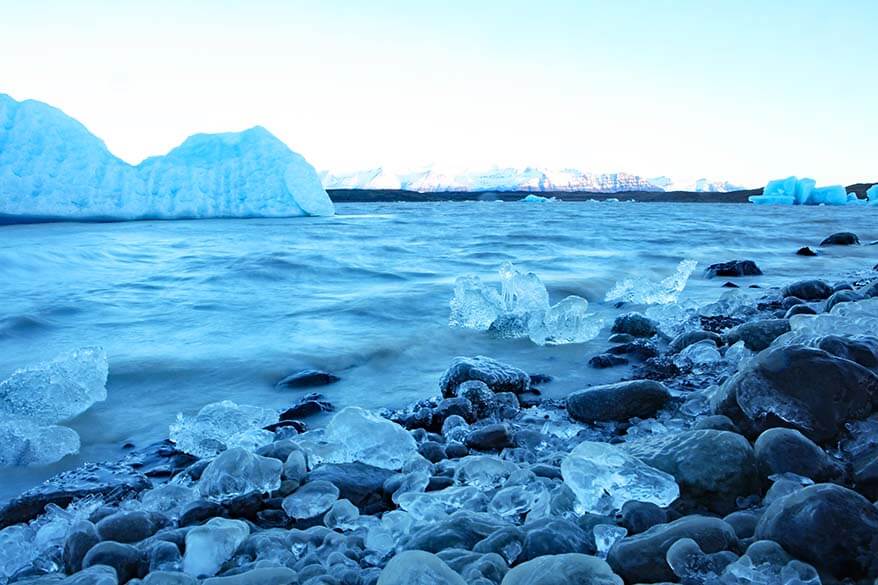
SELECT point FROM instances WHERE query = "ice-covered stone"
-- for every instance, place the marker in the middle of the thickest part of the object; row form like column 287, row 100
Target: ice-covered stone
column 222, row 425
column 57, row 390
column 646, row 292
column 210, row 545
column 24, row 442
column 603, row 477
column 236, row 472
column 605, row 536
column 414, row 567
column 355, row 434
column 311, row 500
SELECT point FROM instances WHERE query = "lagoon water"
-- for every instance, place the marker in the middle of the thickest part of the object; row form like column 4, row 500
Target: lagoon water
column 192, row 312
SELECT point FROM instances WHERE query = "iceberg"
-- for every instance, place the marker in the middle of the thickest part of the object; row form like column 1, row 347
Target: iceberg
column 53, row 168
column 222, row 425
column 795, row 191
column 644, row 292
column 538, row 199
column 521, row 309
column 872, row 194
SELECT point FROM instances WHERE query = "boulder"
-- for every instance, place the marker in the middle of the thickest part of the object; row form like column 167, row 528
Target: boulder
column 357, row 482
column 606, row 360
column 757, row 335
column 639, row 517
column 842, row 296
column 684, row 340
column 635, row 324
column 81, row 537
column 460, row 530
column 862, row 349
column 805, row 251
column 131, row 526
column 562, row 569
column 841, row 239
column 258, row 576
column 307, row 379
column 124, row 558
column 493, row 437
column 799, row 310
column 808, row 290
column 498, row 376
column 733, row 269
column 554, row 536
column 618, row 402
column 781, row 450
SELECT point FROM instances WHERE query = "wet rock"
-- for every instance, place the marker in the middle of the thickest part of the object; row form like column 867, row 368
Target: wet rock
column 798, row 387
column 94, row 575
column 757, row 335
column 808, row 290
column 80, row 539
column 279, row 450
column 718, row 323
column 639, row 517
column 730, row 284
column 124, row 558
column 716, row 422
column 862, row 349
column 498, row 376
column 111, row 481
column 831, row 527
column 307, row 379
column 460, row 530
column 640, row 349
column 161, row 555
column 357, row 482
column 491, row 438
column 618, row 402
column 258, row 576
column 432, row 451
column 870, row 291
column 841, row 239
column 782, row 450
column 453, row 406
column 563, row 569
column 169, row 578
column 621, row 338
column 606, row 360
column 686, row 339
column 799, row 310
column 480, row 397
column 713, row 468
column 540, row 379
column 635, row 325
column 456, row 450
column 548, row 536
column 842, row 296
column 734, row 268
column 743, row 522
column 129, row 527
column 415, row 566
column 200, row 511
column 309, row 405
column 641, row 558
column 805, row 251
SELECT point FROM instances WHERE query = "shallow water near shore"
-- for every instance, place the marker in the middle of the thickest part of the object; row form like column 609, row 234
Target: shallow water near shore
column 192, row 312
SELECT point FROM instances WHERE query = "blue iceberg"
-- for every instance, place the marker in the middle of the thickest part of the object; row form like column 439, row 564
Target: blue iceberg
column 795, row 191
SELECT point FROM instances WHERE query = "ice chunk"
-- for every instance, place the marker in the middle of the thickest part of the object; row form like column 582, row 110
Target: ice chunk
column 168, row 499
column 872, row 194
column 675, row 318
column 538, row 199
column 16, row 550
column 236, row 472
column 832, row 195
column 846, row 319
column 645, row 292
column 521, row 309
column 414, row 567
column 311, row 500
column 702, row 353
column 604, row 477
column 414, row 481
column 24, row 442
column 51, row 166
column 57, row 390
column 512, row 501
column 793, row 191
column 605, row 536
column 483, row 471
column 342, row 515
column 210, row 545
column 222, row 425
column 438, row 505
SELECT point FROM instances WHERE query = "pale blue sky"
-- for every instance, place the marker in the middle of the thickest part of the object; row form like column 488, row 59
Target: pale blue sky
column 739, row 90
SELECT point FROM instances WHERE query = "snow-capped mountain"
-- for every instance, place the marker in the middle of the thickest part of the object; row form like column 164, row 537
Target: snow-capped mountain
column 534, row 179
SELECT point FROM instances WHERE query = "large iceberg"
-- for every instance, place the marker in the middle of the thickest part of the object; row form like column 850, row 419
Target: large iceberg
column 52, row 167
column 795, row 191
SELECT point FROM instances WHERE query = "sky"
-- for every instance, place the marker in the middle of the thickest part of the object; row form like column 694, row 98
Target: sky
column 737, row 90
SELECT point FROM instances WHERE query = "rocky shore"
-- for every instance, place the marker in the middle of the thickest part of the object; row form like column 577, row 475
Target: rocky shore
column 742, row 450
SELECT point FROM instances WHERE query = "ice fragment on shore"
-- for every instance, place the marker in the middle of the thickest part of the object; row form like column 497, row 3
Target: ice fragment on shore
column 604, row 477
column 355, row 434
column 24, row 442
column 237, row 472
column 438, row 505
column 57, row 390
column 311, row 500
column 210, row 545
column 605, row 536
column 222, row 425
column 342, row 515
column 702, row 353
column 521, row 309
column 846, row 319
column 644, row 292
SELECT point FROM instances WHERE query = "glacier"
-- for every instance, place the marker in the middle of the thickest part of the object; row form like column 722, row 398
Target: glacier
column 53, row 168
column 795, row 191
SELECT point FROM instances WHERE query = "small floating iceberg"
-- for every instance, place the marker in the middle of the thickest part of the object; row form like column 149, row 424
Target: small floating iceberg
column 521, row 309
column 795, row 191
column 538, row 199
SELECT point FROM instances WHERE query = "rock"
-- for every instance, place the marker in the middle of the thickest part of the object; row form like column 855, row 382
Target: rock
column 169, row 578
column 554, row 536
column 210, row 545
column 686, row 339
column 808, row 290
column 618, row 402
column 606, row 360
column 359, row 483
column 279, row 450
column 311, row 500
column 635, row 324
column 161, row 555
column 841, row 239
column 716, row 422
column 412, row 567
column 562, row 569
column 457, row 405
column 782, row 450
column 80, row 539
column 842, row 296
column 307, row 379
column 637, row 517
column 460, row 530
column 640, row 349
column 862, row 349
column 757, row 335
column 870, row 291
column 805, row 251
column 733, row 269
column 641, row 558
column 730, row 284
column 111, row 481
column 480, row 397
column 798, row 387
column 309, row 405
column 713, row 468
column 621, row 338
column 94, row 575
column 237, row 472
column 498, row 376
column 199, row 511
column 829, row 526
column 743, row 522
column 124, row 558
column 258, row 576
column 129, row 527
column 432, row 451
column 799, row 310
column 491, row 438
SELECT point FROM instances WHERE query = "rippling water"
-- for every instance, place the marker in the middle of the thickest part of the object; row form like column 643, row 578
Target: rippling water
column 192, row 312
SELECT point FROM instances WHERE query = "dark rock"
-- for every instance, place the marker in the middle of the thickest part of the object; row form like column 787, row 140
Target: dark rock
column 546, row 470
column 841, row 239
column 716, row 422
column 805, row 251
column 797, row 387
column 618, row 402
column 641, row 558
column 94, row 575
column 842, row 285
column 684, row 340
column 808, row 290
column 480, row 397
column 279, row 450
column 502, row 540
column 730, row 284
column 456, row 450
column 789, row 451
column 548, row 536
column 309, row 405
column 718, row 323
column 358, row 482
column 540, row 378
column 308, row 379
column 126, row 559
column 743, row 522
column 831, row 527
column 163, row 555
column 757, row 335
column 635, row 324
column 161, row 459
column 286, row 428
column 799, row 310
column 438, row 482
column 621, row 338
column 640, row 349
column 432, row 451
column 529, row 400
column 491, row 438
column 789, row 302
column 111, row 481
column 870, row 291
column 80, row 539
column 606, row 360
column 713, row 468
column 460, row 530
column 129, row 527
column 453, row 406
column 639, row 517
column 842, row 296
column 733, row 269
column 862, row 349
column 199, row 512
column 498, row 376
